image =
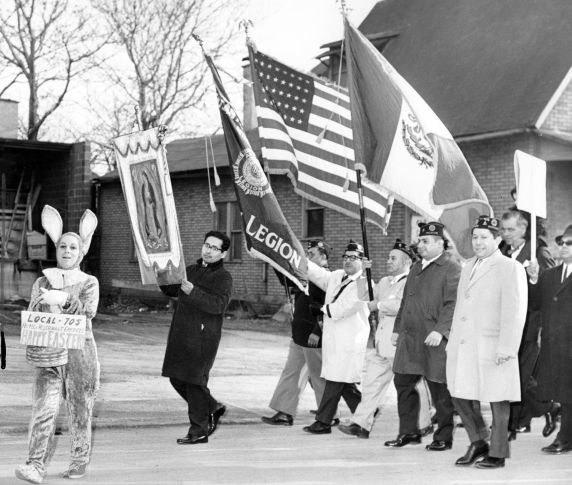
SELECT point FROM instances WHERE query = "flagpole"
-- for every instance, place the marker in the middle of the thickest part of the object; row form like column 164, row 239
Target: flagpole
column 359, row 168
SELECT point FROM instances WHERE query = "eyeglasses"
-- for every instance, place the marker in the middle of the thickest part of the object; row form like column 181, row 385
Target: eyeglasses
column 211, row 247
column 345, row 257
column 567, row 242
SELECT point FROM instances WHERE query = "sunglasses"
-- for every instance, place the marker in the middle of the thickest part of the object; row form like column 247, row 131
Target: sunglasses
column 568, row 242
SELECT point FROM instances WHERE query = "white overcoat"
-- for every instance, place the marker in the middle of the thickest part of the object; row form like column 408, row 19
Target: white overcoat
column 489, row 318
column 346, row 325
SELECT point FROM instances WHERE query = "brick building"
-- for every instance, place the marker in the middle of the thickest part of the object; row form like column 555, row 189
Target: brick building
column 36, row 173
column 496, row 73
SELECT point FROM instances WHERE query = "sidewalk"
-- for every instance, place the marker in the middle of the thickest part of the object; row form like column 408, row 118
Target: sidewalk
column 133, row 393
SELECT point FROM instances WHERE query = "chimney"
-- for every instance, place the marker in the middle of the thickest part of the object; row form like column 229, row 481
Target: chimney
column 8, row 118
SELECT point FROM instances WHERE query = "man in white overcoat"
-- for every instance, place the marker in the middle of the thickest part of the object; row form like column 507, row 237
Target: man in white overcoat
column 482, row 352
column 344, row 337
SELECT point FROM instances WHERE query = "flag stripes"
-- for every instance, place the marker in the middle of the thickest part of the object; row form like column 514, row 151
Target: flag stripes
column 305, row 132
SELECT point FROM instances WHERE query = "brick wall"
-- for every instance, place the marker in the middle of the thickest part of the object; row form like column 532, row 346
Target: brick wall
column 195, row 219
column 560, row 118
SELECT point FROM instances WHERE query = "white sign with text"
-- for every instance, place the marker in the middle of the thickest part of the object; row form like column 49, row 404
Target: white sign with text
column 53, row 330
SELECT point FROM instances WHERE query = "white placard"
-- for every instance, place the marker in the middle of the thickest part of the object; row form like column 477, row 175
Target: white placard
column 53, row 330
column 530, row 174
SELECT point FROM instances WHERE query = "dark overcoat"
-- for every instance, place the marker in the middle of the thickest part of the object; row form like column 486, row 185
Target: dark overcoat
column 428, row 304
column 196, row 327
column 545, row 261
column 554, row 299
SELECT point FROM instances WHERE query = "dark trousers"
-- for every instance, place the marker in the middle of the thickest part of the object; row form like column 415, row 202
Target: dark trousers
column 408, row 406
column 529, row 406
column 200, row 405
column 565, row 433
column 333, row 392
column 470, row 413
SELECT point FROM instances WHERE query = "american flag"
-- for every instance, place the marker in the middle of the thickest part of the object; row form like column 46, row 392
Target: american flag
column 304, row 125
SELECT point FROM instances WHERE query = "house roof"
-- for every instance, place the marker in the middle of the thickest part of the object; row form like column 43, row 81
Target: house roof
column 188, row 154
column 483, row 66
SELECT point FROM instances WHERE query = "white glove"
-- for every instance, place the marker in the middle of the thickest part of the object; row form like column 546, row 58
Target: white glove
column 53, row 297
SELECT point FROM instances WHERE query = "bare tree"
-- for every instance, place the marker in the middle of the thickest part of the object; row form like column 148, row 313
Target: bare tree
column 45, row 43
column 159, row 67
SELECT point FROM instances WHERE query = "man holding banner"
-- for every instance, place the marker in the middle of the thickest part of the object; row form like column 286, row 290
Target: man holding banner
column 195, row 334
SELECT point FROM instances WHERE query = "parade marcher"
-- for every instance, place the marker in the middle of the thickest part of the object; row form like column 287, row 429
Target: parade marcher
column 515, row 231
column 345, row 334
column 379, row 359
column 482, row 364
column 305, row 350
column 551, row 293
column 195, row 335
column 422, row 326
column 69, row 373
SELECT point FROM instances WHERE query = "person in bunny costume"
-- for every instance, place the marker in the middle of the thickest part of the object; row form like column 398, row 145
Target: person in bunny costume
column 69, row 373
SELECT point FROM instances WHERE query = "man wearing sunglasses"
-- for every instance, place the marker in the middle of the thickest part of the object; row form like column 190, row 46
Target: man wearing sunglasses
column 551, row 293
column 345, row 334
column 515, row 232
column 195, row 334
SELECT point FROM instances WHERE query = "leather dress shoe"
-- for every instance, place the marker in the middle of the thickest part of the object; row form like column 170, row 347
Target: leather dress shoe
column 490, row 462
column 427, row 430
column 439, row 445
column 404, row 439
column 550, row 417
column 557, row 448
column 193, row 440
column 511, row 435
column 354, row 430
column 215, row 417
column 279, row 419
column 477, row 450
column 317, row 427
column 523, row 429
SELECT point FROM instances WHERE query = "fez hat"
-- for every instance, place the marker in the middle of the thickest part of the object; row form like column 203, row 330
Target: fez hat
column 567, row 233
column 399, row 244
column 354, row 246
column 487, row 222
column 431, row 229
column 323, row 246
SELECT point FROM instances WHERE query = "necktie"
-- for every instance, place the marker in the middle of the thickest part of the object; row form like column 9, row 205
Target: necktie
column 474, row 270
column 565, row 272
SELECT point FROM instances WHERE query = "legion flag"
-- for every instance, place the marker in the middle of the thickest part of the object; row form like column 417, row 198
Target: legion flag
column 268, row 235
column 405, row 146
column 304, row 126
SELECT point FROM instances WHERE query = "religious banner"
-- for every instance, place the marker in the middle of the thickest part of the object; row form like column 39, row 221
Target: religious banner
column 144, row 175
column 56, row 330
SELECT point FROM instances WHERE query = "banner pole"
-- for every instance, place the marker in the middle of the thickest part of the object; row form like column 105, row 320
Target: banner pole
column 363, row 230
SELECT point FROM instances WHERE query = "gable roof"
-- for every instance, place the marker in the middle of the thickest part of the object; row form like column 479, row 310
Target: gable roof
column 483, row 66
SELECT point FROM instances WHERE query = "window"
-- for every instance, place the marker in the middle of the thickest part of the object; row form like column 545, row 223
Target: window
column 227, row 219
column 313, row 220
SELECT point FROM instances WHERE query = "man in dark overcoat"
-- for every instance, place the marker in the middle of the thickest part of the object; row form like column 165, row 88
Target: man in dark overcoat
column 551, row 292
column 195, row 334
column 422, row 326
column 515, row 231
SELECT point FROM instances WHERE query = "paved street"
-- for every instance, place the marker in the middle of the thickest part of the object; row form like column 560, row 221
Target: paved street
column 257, row 454
column 138, row 417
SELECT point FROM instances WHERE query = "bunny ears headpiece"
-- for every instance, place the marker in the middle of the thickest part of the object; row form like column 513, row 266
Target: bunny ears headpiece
column 53, row 225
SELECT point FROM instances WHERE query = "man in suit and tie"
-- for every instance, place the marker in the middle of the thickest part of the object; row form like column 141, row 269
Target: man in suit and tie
column 551, row 292
column 483, row 344
column 515, row 231
column 422, row 324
